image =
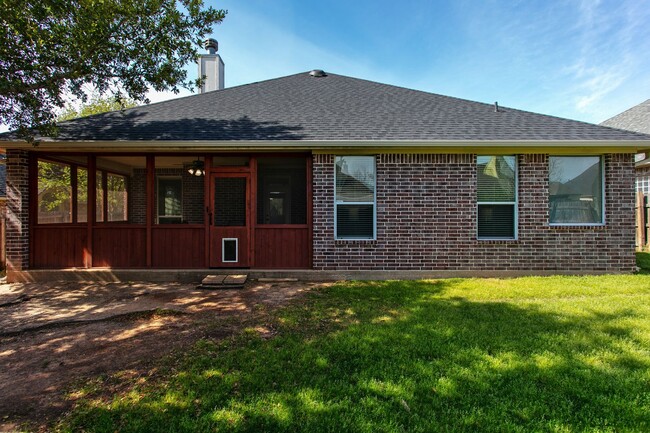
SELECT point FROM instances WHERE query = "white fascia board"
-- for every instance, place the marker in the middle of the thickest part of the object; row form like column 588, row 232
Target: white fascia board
column 455, row 146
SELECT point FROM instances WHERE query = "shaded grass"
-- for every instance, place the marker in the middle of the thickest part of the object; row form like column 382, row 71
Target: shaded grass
column 556, row 354
column 643, row 261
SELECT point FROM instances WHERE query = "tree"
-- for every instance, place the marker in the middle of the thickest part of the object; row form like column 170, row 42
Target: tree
column 96, row 105
column 53, row 49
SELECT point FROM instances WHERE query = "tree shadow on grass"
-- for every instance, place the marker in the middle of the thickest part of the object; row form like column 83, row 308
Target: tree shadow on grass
column 401, row 357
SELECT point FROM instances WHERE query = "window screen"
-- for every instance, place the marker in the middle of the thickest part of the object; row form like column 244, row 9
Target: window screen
column 82, row 195
column 170, row 199
column 230, row 201
column 575, row 190
column 99, row 196
column 496, row 196
column 116, row 197
column 282, row 191
column 54, row 193
column 355, row 197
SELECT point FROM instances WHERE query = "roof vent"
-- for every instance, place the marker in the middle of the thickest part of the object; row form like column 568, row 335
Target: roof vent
column 212, row 46
column 318, row 73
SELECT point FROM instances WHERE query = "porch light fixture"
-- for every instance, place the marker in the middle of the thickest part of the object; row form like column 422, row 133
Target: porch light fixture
column 197, row 168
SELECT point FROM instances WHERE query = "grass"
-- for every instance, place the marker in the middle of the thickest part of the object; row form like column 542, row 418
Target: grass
column 643, row 262
column 552, row 354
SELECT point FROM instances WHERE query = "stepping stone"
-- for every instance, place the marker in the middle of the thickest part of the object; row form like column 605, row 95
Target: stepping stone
column 211, row 280
column 224, row 281
column 235, row 279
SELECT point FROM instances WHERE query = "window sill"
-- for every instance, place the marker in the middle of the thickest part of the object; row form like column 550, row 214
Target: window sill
column 497, row 240
column 577, row 226
column 355, row 241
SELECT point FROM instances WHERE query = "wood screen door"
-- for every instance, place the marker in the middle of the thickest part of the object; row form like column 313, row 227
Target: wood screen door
column 230, row 220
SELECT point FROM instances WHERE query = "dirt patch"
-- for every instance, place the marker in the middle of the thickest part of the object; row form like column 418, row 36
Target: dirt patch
column 54, row 336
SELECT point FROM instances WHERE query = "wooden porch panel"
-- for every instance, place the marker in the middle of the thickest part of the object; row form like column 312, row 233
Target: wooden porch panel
column 178, row 246
column 120, row 246
column 243, row 250
column 57, row 246
column 282, row 246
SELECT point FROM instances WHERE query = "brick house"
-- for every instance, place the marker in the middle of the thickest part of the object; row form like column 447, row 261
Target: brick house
column 322, row 172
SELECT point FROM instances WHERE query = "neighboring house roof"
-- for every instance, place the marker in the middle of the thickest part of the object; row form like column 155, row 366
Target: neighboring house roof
column 302, row 109
column 635, row 119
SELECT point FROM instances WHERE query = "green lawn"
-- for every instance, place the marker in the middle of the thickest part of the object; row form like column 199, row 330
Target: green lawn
column 553, row 354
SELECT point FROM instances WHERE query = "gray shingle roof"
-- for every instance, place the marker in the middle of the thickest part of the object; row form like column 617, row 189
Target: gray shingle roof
column 302, row 107
column 635, row 119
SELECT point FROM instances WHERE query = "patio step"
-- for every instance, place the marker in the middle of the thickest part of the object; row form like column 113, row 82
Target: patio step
column 224, row 281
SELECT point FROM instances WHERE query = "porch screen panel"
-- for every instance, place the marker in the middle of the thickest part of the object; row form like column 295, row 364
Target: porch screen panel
column 116, row 197
column 496, row 196
column 282, row 191
column 170, row 198
column 54, row 193
column 230, row 201
column 82, row 195
column 99, row 197
column 186, row 203
column 355, row 197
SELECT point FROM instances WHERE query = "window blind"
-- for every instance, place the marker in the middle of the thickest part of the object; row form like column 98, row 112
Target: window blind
column 496, row 196
column 355, row 197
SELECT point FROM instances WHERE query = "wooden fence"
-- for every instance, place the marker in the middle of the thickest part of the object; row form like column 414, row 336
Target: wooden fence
column 642, row 222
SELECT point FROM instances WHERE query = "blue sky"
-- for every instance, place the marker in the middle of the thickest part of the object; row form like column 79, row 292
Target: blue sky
column 580, row 59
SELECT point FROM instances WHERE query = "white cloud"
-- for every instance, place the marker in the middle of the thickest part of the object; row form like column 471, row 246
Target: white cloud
column 610, row 52
column 598, row 84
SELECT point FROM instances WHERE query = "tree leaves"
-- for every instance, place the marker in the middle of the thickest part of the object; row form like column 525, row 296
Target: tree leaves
column 52, row 49
column 96, row 105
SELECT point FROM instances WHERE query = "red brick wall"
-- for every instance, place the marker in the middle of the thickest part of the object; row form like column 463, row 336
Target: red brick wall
column 426, row 220
column 17, row 211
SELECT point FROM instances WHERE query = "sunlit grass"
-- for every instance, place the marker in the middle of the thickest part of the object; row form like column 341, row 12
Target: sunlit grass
column 556, row 354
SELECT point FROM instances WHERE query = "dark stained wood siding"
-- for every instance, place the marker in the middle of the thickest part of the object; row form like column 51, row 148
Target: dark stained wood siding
column 59, row 247
column 119, row 247
column 282, row 247
column 218, row 234
column 178, row 247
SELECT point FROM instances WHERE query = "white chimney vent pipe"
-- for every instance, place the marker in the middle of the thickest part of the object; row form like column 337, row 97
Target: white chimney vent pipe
column 211, row 68
column 212, row 46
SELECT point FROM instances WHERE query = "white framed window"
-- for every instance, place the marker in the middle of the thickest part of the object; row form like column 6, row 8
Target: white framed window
column 576, row 190
column 355, row 198
column 496, row 193
column 170, row 199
